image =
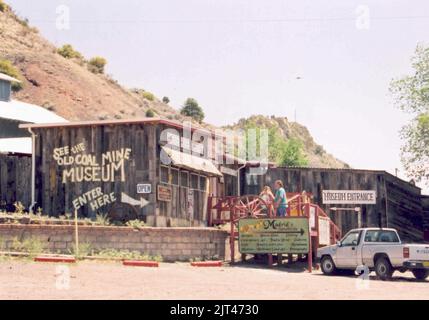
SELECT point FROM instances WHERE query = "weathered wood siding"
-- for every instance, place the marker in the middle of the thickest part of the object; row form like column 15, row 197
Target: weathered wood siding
column 56, row 197
column 401, row 199
column 425, row 205
column 405, row 210
column 15, row 180
column 176, row 213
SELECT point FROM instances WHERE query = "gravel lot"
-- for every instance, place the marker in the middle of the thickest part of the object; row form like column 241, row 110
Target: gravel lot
column 20, row 279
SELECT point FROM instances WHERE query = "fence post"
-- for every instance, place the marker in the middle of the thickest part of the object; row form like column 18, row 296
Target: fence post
column 209, row 211
column 232, row 236
column 76, row 234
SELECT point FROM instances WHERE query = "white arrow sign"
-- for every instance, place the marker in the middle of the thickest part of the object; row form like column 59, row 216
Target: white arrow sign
column 131, row 201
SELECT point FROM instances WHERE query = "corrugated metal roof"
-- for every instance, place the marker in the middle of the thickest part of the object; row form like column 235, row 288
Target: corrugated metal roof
column 26, row 112
column 16, row 145
column 8, row 78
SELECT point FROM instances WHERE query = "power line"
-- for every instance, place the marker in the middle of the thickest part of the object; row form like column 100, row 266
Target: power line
column 271, row 20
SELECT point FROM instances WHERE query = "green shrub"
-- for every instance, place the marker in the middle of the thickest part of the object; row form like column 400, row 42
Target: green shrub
column 85, row 250
column 128, row 255
column 68, row 52
column 136, row 224
column 3, row 6
column 148, row 95
column 33, row 247
column 102, row 220
column 97, row 64
column 192, row 109
column 166, row 100
column 150, row 113
column 19, row 207
column 7, row 67
column 319, row 150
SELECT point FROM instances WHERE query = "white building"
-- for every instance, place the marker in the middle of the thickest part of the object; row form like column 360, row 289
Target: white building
column 13, row 113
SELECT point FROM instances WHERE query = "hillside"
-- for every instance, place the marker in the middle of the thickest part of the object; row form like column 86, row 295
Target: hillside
column 68, row 88
column 315, row 153
column 63, row 85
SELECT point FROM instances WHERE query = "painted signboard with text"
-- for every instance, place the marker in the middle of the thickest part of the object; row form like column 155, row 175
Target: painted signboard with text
column 277, row 235
column 349, row 197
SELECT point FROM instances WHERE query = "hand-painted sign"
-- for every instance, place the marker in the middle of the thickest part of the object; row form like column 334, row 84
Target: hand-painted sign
column 95, row 198
column 278, row 235
column 144, row 188
column 349, row 197
column 164, row 193
column 79, row 166
column 133, row 202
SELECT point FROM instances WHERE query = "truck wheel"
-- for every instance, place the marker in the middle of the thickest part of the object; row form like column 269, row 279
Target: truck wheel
column 383, row 269
column 328, row 266
column 420, row 274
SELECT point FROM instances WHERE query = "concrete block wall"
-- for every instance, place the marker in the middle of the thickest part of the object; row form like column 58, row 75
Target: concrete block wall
column 173, row 244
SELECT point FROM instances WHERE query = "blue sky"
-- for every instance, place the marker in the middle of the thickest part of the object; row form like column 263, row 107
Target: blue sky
column 243, row 57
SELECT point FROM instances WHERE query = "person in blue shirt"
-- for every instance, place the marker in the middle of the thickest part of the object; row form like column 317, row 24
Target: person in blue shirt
column 280, row 201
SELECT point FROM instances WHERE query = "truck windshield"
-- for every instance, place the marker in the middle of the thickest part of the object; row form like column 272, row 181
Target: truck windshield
column 381, row 236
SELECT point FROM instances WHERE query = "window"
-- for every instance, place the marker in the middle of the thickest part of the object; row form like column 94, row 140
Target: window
column 164, row 174
column 381, row 236
column 203, row 183
column 174, row 176
column 194, row 181
column 251, row 179
column 351, row 239
column 184, row 179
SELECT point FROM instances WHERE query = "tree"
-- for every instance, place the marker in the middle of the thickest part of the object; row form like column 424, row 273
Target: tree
column 192, row 109
column 411, row 94
column 281, row 151
column 166, row 100
column 97, row 64
column 292, row 154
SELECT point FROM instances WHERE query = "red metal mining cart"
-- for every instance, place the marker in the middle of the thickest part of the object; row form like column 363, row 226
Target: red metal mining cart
column 224, row 210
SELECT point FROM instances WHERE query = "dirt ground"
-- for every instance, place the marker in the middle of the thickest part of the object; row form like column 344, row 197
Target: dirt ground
column 20, row 279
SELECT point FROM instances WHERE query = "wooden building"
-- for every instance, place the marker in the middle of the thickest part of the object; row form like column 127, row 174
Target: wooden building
column 399, row 204
column 151, row 169
column 15, row 180
column 15, row 145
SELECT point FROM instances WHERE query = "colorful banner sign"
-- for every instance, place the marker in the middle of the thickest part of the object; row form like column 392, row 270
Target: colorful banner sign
column 277, row 235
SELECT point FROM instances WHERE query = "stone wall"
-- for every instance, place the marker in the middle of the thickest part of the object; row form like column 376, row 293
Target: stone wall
column 173, row 244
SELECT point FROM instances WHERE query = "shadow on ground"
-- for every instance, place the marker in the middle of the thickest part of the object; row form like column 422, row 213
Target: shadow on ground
column 395, row 278
column 295, row 267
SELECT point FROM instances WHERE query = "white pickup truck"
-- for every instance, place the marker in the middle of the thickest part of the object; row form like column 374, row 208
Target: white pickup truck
column 381, row 250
